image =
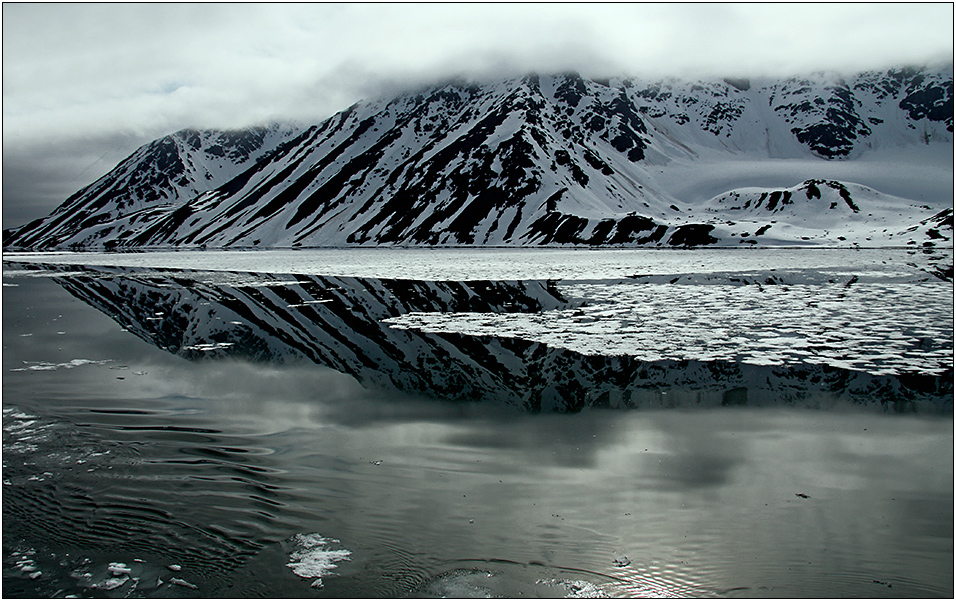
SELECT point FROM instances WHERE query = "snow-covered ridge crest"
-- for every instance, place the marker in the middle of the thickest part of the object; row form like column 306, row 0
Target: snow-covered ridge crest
column 547, row 160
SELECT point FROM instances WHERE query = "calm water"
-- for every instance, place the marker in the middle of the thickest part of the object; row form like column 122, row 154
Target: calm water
column 236, row 434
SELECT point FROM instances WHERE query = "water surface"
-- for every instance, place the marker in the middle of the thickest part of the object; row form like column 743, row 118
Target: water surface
column 171, row 433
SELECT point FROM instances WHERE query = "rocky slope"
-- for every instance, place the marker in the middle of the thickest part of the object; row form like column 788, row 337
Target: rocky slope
column 543, row 160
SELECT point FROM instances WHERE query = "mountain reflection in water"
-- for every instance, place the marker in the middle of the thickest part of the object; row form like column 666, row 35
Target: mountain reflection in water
column 131, row 472
column 339, row 322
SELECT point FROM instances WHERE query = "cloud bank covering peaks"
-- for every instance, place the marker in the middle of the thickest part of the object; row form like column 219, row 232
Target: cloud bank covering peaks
column 154, row 66
column 85, row 84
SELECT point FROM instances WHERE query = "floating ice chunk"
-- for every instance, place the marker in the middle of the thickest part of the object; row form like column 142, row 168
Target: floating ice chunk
column 117, row 568
column 45, row 366
column 765, row 360
column 208, row 346
column 313, row 557
column 174, row 567
column 28, row 566
column 111, row 583
column 181, row 582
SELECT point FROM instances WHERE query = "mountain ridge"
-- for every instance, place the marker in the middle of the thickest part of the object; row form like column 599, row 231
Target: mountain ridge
column 530, row 161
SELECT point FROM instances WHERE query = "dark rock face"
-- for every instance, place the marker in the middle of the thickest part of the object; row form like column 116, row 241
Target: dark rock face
column 837, row 125
column 934, row 103
column 561, row 228
column 536, row 160
column 694, row 234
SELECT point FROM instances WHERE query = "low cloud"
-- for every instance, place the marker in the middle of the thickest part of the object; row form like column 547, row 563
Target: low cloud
column 39, row 176
column 78, row 76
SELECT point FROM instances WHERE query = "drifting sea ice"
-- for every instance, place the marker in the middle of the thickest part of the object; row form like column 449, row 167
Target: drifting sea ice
column 314, row 559
column 457, row 264
column 46, row 366
column 877, row 327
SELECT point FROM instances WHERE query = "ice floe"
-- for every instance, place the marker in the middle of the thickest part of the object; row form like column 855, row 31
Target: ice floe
column 878, row 327
column 27, row 565
column 231, row 268
column 314, row 557
column 47, row 366
column 208, row 346
column 181, row 582
column 119, row 578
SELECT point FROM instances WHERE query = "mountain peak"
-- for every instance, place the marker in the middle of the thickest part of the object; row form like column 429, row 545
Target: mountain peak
column 530, row 160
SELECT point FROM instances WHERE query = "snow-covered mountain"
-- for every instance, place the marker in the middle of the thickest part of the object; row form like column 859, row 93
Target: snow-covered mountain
column 341, row 322
column 551, row 160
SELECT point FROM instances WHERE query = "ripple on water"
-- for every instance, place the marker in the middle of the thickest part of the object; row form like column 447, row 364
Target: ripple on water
column 67, row 491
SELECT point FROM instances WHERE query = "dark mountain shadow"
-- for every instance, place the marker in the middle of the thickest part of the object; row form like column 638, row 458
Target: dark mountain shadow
column 337, row 322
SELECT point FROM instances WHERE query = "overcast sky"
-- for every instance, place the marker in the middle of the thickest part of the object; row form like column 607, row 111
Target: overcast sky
column 85, row 84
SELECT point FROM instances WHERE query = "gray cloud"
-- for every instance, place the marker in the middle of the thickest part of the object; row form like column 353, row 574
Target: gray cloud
column 38, row 176
column 78, row 76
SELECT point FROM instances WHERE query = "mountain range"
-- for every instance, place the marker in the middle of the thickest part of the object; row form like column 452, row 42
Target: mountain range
column 864, row 160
